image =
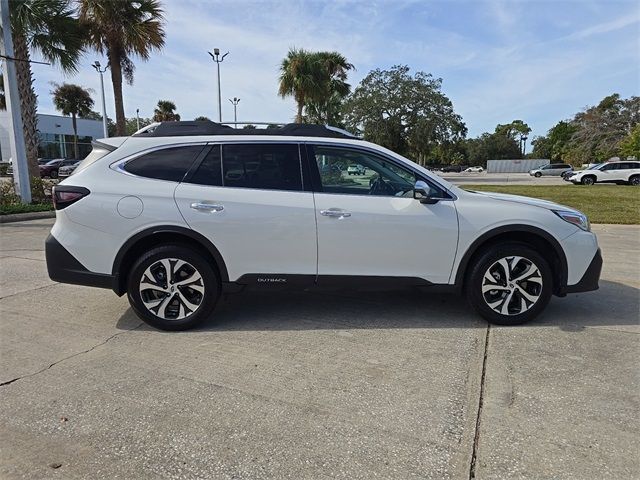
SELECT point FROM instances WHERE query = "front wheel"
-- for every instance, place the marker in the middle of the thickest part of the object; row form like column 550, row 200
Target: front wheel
column 588, row 180
column 537, row 174
column 173, row 287
column 54, row 174
column 509, row 284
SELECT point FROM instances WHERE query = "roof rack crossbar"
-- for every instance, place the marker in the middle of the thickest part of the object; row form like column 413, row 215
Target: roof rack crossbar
column 207, row 127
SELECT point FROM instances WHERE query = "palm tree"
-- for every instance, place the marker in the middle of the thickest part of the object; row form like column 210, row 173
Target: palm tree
column 48, row 28
column 75, row 101
column 334, row 68
column 165, row 112
column 315, row 79
column 121, row 29
column 300, row 78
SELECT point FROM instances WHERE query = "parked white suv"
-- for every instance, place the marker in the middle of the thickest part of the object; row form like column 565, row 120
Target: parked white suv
column 356, row 170
column 177, row 215
column 626, row 171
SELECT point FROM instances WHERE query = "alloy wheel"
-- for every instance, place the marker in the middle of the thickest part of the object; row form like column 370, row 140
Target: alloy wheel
column 171, row 289
column 587, row 181
column 512, row 285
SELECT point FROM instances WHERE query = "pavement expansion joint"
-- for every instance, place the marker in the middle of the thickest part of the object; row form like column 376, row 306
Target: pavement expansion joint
column 104, row 342
column 29, row 291
column 476, row 437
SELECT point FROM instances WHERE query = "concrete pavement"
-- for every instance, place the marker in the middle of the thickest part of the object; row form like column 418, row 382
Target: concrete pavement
column 317, row 385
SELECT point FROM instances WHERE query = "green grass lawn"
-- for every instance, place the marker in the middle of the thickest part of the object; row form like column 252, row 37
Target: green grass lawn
column 601, row 203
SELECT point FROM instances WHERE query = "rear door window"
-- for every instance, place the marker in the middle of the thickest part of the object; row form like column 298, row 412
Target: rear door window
column 209, row 172
column 166, row 164
column 262, row 166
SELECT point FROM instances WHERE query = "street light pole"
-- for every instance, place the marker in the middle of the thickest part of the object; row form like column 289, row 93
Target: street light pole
column 235, row 103
column 138, row 118
column 215, row 56
column 96, row 65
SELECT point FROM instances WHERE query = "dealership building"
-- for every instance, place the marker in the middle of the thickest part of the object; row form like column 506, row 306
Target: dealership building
column 56, row 136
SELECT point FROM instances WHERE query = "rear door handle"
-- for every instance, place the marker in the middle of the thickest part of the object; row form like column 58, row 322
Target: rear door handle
column 207, row 207
column 335, row 213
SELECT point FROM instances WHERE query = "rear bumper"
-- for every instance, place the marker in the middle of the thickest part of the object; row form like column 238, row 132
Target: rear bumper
column 65, row 268
column 590, row 279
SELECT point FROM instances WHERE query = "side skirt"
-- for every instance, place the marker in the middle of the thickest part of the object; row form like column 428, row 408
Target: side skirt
column 284, row 282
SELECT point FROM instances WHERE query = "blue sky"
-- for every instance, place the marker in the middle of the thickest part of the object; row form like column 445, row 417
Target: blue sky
column 539, row 61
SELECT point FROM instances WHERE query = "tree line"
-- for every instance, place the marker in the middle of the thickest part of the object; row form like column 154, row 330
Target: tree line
column 409, row 114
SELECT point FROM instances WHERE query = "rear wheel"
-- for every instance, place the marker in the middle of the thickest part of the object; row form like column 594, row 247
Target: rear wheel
column 509, row 284
column 173, row 287
column 588, row 180
column 634, row 180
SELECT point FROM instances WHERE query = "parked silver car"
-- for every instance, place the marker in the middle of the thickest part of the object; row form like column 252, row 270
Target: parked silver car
column 67, row 170
column 553, row 169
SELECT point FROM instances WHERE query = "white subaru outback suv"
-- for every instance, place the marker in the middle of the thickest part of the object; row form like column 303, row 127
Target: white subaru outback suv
column 177, row 215
column 625, row 172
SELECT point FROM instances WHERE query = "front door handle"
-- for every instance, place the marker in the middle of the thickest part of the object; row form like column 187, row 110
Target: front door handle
column 207, row 207
column 335, row 213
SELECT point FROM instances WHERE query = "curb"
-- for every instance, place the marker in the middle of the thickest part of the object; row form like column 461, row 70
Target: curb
column 22, row 217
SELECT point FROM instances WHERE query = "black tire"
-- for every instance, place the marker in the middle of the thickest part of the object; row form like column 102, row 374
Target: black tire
column 634, row 180
column 537, row 174
column 205, row 301
column 588, row 180
column 54, row 174
column 487, row 260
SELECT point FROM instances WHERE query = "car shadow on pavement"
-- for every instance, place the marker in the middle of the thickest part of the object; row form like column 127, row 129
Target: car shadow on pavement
column 613, row 304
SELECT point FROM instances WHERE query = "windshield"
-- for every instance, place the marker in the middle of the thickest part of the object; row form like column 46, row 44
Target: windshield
column 596, row 167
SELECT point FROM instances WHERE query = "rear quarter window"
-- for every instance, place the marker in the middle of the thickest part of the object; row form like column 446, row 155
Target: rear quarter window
column 169, row 164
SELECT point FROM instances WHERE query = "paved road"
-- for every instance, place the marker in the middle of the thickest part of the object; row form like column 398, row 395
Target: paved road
column 500, row 179
column 345, row 385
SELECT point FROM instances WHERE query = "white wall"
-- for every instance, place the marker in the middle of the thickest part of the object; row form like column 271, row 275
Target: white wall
column 515, row 166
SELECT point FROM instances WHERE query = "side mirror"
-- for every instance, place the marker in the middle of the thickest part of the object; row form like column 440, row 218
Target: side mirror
column 421, row 192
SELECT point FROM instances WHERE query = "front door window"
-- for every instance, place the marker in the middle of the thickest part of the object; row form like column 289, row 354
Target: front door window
column 355, row 172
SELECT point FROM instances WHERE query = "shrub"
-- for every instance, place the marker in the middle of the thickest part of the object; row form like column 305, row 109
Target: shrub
column 8, row 194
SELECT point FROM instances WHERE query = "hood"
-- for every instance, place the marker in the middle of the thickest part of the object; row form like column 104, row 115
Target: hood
column 536, row 202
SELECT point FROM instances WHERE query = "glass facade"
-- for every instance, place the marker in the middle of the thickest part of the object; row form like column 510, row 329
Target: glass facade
column 53, row 145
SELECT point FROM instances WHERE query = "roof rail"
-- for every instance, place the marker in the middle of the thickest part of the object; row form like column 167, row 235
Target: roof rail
column 207, row 127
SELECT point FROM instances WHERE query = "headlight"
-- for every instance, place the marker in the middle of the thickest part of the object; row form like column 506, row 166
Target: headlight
column 578, row 219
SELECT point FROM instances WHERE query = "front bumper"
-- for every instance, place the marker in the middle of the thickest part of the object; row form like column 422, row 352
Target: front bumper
column 65, row 268
column 590, row 279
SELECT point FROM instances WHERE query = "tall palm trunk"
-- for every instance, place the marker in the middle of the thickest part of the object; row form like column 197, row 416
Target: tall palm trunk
column 299, row 115
column 75, row 136
column 116, row 79
column 28, row 103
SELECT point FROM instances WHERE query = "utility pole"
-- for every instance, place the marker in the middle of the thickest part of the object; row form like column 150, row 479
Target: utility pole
column 18, row 150
column 235, row 103
column 96, row 65
column 215, row 56
column 138, row 118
